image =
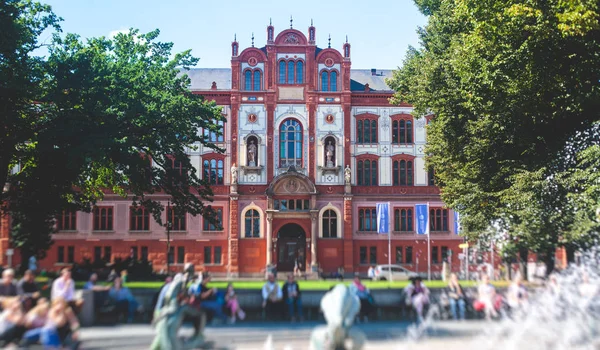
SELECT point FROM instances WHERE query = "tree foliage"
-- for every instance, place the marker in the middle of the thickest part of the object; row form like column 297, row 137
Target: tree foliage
column 511, row 85
column 90, row 118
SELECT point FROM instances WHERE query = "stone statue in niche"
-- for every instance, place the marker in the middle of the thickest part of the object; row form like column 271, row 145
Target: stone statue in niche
column 251, row 153
column 234, row 174
column 329, row 153
column 347, row 174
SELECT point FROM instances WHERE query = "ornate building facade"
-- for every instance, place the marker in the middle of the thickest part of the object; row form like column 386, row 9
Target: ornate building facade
column 311, row 146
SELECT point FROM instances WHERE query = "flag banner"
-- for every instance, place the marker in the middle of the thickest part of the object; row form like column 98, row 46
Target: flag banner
column 422, row 219
column 456, row 223
column 383, row 217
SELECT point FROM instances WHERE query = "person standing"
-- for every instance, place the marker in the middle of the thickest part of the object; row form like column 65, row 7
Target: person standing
column 292, row 297
column 210, row 298
column 371, row 273
column 457, row 298
column 64, row 287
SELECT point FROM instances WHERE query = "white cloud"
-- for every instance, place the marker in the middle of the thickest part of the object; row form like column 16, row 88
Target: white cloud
column 114, row 33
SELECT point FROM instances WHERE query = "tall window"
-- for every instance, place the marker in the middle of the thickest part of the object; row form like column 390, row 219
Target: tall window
column 144, row 253
column 329, row 224
column 252, row 224
column 363, row 255
column 70, row 254
column 252, row 80
column 103, row 219
column 177, row 174
column 398, row 255
column 328, row 81
column 366, row 172
column 409, row 255
column 67, row 221
column 435, row 259
column 290, row 137
column 213, row 135
column 213, row 171
column 373, row 255
column 139, row 219
column 324, row 81
column 176, row 220
column 402, row 173
column 256, row 83
column 217, row 256
column 217, row 226
column 97, row 254
column 180, row 255
column 367, row 219
column 248, row 80
column 366, row 131
column 291, row 72
column 207, row 255
column 107, row 254
column 438, row 219
column 299, row 72
column 403, row 220
column 402, row 131
column 60, row 251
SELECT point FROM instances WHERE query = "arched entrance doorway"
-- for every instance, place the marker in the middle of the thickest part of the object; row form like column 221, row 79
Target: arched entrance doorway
column 291, row 247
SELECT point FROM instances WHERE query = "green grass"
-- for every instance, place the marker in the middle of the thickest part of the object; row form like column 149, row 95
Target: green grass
column 309, row 285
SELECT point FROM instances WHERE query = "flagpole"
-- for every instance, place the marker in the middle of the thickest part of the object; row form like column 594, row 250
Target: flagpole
column 390, row 242
column 428, row 245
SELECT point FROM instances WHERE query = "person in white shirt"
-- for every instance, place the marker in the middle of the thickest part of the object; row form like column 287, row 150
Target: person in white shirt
column 64, row 287
column 272, row 297
column 486, row 298
column 371, row 273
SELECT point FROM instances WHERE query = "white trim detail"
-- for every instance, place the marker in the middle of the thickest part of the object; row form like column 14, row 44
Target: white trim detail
column 330, row 206
column 242, row 222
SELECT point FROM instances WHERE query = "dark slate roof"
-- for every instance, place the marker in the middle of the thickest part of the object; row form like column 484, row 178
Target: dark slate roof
column 202, row 79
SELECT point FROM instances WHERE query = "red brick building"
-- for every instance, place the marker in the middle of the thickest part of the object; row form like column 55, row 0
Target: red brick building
column 311, row 146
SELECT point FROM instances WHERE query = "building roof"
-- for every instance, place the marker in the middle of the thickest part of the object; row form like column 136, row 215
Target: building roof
column 202, row 79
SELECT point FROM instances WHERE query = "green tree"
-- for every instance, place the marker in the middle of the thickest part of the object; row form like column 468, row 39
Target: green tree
column 510, row 84
column 104, row 115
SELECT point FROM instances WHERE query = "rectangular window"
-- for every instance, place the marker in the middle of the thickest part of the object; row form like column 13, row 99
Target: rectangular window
column 67, row 221
column 217, row 256
column 144, row 253
column 171, row 255
column 367, row 219
column 216, row 135
column 207, row 255
column 180, row 255
column 103, row 218
column 366, row 131
column 70, row 254
column 176, row 220
column 403, row 220
column 398, row 255
column 363, row 255
column 444, row 253
column 438, row 219
column 97, row 253
column 107, row 254
column 133, row 253
column 61, row 254
column 409, row 255
column 372, row 255
column 434, row 255
column 139, row 219
column 217, row 226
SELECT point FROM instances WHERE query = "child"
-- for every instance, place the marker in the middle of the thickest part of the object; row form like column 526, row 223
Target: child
column 232, row 304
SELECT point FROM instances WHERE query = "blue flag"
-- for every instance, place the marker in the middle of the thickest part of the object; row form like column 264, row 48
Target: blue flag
column 422, row 219
column 456, row 223
column 383, row 217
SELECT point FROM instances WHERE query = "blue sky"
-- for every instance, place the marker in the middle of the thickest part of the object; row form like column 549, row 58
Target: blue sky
column 379, row 31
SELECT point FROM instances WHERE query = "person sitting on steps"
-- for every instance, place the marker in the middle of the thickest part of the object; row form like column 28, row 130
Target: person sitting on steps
column 291, row 295
column 272, row 296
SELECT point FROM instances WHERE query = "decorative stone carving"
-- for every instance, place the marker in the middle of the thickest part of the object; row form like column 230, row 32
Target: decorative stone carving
column 251, row 154
column 291, row 38
column 347, row 174
column 234, row 174
column 420, row 123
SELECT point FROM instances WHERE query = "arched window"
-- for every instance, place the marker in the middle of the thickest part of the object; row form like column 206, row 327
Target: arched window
column 329, row 224
column 256, row 86
column 213, row 171
column 252, row 224
column 367, row 173
column 290, row 137
column 248, row 80
column 402, row 173
column 333, row 81
column 299, row 72
column 324, row 81
column 281, row 72
column 290, row 72
column 402, row 132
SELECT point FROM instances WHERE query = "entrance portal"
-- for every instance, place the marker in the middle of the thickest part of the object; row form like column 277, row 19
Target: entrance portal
column 291, row 248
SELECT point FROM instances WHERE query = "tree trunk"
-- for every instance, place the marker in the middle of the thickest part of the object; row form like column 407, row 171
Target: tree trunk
column 549, row 260
column 523, row 254
column 570, row 250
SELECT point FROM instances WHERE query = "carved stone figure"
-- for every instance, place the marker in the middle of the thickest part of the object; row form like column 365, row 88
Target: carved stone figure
column 347, row 174
column 251, row 154
column 340, row 306
column 329, row 149
column 234, row 174
column 169, row 318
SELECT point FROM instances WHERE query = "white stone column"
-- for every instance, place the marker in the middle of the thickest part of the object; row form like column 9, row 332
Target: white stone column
column 314, row 219
column 269, row 238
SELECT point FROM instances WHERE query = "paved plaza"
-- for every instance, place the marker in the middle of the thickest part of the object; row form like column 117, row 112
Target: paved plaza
column 285, row 336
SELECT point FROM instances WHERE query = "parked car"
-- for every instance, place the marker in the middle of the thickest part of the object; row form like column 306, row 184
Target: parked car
column 399, row 273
